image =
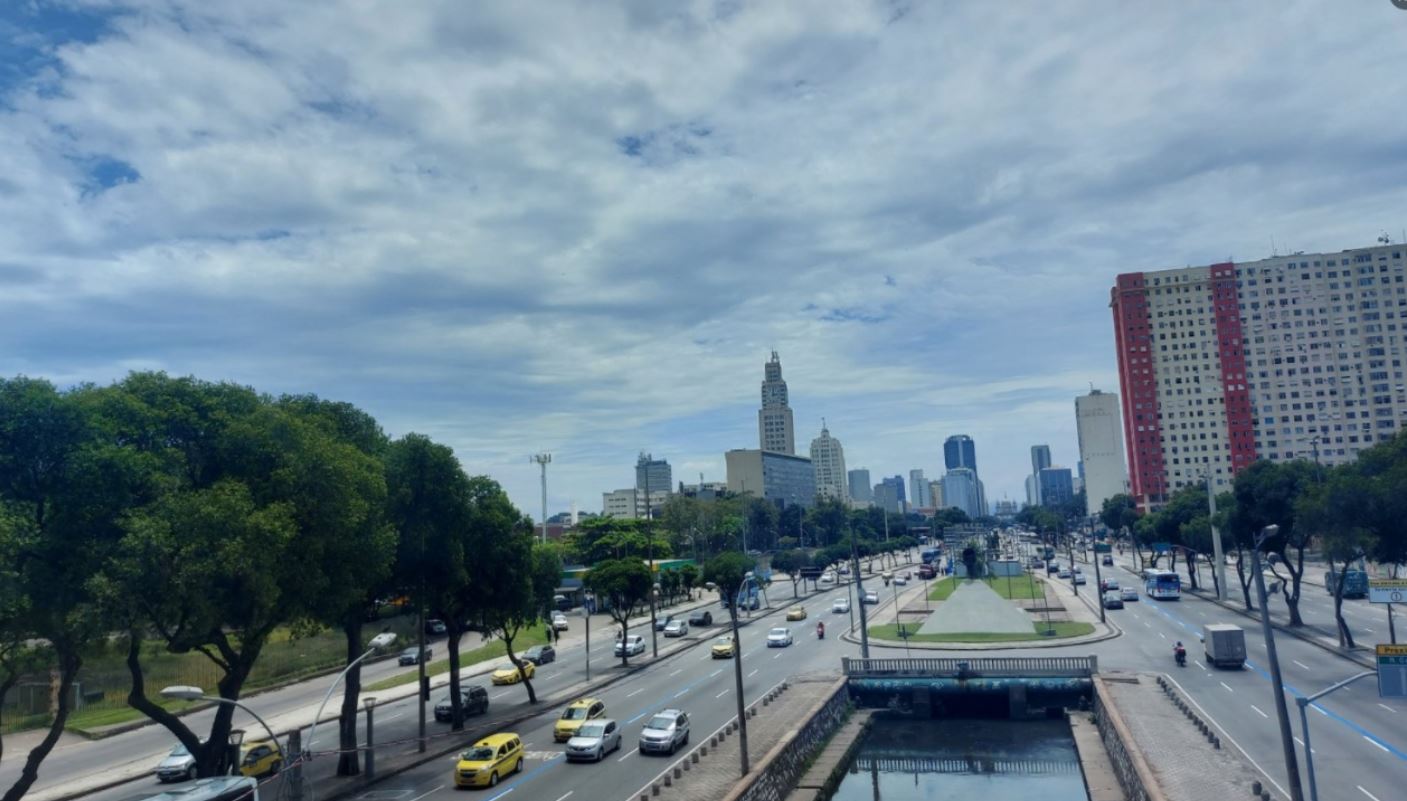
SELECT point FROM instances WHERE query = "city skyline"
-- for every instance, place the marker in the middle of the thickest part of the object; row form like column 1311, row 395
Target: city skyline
column 599, row 273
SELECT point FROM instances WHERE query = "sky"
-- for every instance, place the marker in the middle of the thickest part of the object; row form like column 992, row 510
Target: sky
column 581, row 228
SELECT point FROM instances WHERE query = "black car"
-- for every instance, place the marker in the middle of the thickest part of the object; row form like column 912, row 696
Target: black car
column 1107, row 560
column 411, row 656
column 435, row 627
column 540, row 654
column 661, row 622
column 701, row 617
column 473, row 699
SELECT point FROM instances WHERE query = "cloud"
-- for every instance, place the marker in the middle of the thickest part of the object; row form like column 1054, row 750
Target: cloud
column 582, row 227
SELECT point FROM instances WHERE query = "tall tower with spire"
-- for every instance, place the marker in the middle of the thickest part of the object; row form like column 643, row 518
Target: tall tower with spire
column 774, row 424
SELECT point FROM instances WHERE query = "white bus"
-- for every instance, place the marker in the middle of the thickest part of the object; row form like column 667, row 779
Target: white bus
column 1163, row 585
column 217, row 788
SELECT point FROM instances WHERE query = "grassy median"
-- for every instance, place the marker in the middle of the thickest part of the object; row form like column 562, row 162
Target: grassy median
column 1022, row 587
column 890, row 631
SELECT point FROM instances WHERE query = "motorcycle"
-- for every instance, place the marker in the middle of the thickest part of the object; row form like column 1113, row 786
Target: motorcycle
column 820, row 631
column 1180, row 654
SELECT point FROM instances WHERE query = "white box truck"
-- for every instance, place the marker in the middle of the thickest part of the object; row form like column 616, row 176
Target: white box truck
column 1224, row 645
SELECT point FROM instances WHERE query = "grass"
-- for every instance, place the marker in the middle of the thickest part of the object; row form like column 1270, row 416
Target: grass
column 890, row 631
column 537, row 635
column 1020, row 588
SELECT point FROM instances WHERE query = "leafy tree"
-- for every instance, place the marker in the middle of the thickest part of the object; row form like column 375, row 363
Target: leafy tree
column 791, row 563
column 1265, row 494
column 763, row 522
column 827, row 520
column 689, row 578
column 612, row 538
column 625, row 585
column 1119, row 512
column 546, row 577
column 502, row 570
column 728, row 571
column 1343, row 510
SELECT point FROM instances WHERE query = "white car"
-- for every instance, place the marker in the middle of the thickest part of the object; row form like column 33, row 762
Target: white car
column 1129, row 594
column 559, row 621
column 840, row 605
column 827, row 578
column 901, row 581
column 633, row 645
column 779, row 638
column 676, row 628
column 871, row 597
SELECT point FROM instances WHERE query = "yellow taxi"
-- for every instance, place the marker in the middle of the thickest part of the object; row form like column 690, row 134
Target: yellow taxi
column 724, row 647
column 260, row 758
column 508, row 674
column 576, row 714
column 796, row 613
column 488, row 760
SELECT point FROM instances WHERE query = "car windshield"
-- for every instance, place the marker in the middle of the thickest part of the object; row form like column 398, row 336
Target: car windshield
column 180, row 750
column 479, row 753
column 723, row 641
column 660, row 722
column 575, row 713
column 591, row 730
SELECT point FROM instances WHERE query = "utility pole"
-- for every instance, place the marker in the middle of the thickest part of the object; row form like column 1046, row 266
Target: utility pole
column 1277, row 685
column 650, row 543
column 860, row 595
column 543, row 459
column 1216, row 540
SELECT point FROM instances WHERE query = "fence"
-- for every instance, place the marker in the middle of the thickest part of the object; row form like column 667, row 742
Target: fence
column 1020, row 667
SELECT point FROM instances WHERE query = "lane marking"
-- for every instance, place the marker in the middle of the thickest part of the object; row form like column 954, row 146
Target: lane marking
column 1199, row 664
column 1377, row 744
column 627, row 756
column 637, row 692
column 502, row 794
column 1301, row 664
column 753, row 673
column 1365, row 792
column 441, row 787
column 681, row 692
column 1262, row 714
column 1388, row 708
column 720, row 695
column 715, row 673
column 1161, row 634
column 672, row 675
column 778, row 656
column 1301, row 742
column 1228, row 689
column 500, row 695
column 563, row 798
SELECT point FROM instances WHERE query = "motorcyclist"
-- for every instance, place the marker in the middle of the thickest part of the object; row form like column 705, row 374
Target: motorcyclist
column 820, row 630
column 1180, row 653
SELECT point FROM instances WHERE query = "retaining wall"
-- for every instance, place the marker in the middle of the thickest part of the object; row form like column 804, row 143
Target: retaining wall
column 773, row 778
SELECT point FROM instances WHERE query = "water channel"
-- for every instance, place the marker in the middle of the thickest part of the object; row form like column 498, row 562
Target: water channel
column 906, row 759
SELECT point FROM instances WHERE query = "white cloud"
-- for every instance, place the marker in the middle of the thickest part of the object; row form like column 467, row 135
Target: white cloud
column 581, row 227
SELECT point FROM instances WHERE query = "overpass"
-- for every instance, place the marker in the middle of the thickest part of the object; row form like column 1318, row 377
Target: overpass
column 984, row 686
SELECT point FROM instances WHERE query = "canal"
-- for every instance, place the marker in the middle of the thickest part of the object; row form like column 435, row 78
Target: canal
column 903, row 758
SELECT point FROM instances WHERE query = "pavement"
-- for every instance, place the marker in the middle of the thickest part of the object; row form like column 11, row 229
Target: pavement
column 975, row 607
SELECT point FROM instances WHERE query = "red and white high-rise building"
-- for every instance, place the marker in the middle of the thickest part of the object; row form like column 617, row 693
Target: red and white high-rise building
column 1296, row 356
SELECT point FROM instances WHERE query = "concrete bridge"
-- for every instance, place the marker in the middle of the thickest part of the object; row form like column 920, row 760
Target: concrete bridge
column 944, row 686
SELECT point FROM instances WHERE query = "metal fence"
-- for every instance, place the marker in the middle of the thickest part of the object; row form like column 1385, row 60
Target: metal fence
column 1019, row 667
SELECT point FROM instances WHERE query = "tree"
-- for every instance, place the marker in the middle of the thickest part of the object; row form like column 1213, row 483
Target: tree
column 1119, row 512
column 1265, row 495
column 827, row 520
column 546, row 577
column 624, row 585
column 689, row 578
column 502, row 570
column 791, row 563
column 729, row 571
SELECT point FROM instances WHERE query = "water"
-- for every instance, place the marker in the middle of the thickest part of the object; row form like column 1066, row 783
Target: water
column 990, row 760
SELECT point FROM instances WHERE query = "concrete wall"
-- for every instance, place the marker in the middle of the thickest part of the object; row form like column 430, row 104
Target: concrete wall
column 778, row 772
column 1132, row 770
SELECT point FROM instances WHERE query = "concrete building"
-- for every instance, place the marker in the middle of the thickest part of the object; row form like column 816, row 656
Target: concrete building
column 653, row 474
column 1057, row 486
column 918, row 489
column 774, row 424
column 935, row 493
column 1006, row 509
column 1222, row 364
column 859, row 481
column 1033, row 491
column 778, row 477
column 889, row 495
column 631, row 503
column 1040, row 460
column 960, row 490
column 960, row 451
column 828, row 460
column 705, row 490
column 1101, row 448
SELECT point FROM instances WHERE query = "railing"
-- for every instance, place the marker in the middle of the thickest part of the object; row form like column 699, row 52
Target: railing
column 963, row 766
column 1017, row 667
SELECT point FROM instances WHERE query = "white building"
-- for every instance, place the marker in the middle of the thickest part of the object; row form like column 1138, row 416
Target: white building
column 1101, row 447
column 828, row 460
column 774, row 421
column 630, row 503
column 919, row 496
column 962, row 490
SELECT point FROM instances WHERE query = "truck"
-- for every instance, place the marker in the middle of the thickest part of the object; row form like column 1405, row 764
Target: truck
column 1355, row 583
column 1224, row 645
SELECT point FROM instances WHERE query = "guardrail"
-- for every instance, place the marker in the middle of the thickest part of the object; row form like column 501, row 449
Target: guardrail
column 1017, row 667
column 971, row 765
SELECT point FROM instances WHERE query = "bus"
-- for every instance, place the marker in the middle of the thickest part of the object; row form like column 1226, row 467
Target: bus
column 218, row 788
column 1164, row 585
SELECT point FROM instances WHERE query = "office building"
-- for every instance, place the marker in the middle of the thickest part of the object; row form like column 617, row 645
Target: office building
column 653, row 474
column 1222, row 364
column 1040, row 460
column 889, row 495
column 778, row 477
column 1057, row 486
column 1101, row 448
column 774, row 424
column 859, row 481
column 918, row 490
column 631, row 504
column 960, row 451
column 828, row 460
column 960, row 490
column 1033, row 491
column 704, row 490
column 935, row 493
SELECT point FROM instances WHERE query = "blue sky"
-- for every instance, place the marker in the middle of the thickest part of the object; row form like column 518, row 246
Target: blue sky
column 581, row 227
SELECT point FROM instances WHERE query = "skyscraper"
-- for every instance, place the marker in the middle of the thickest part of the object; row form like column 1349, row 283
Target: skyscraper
column 960, row 490
column 653, row 475
column 774, row 424
column 828, row 460
column 860, row 489
column 1040, row 460
column 889, row 494
column 1222, row 364
column 1057, row 486
column 960, row 451
column 1101, row 448
column 918, row 489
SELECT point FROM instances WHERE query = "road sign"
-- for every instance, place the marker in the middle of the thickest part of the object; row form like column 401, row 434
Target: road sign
column 1392, row 671
column 1387, row 591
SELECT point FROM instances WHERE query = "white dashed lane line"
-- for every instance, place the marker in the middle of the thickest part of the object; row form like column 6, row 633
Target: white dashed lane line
column 720, row 695
column 1224, row 685
column 1258, row 712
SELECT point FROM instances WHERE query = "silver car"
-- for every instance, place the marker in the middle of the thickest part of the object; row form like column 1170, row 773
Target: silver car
column 676, row 628
column 594, row 740
column 779, row 637
column 178, row 765
column 665, row 733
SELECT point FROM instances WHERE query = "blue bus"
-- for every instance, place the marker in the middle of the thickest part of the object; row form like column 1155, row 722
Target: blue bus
column 1163, row 585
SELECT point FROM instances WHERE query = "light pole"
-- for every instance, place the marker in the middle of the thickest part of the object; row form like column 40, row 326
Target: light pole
column 1303, row 702
column 189, row 693
column 650, row 543
column 1277, row 685
column 370, row 703
column 586, row 614
column 860, row 594
column 381, row 640
column 1216, row 540
column 543, row 459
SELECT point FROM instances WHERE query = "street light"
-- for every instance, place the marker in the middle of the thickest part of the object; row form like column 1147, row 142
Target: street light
column 185, row 692
column 369, row 702
column 381, row 640
column 1277, row 684
column 1303, row 701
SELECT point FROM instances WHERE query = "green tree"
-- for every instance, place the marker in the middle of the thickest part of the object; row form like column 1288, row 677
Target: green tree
column 689, row 578
column 624, row 585
column 1119, row 513
column 501, row 580
column 791, row 563
column 546, row 578
column 728, row 572
column 1343, row 509
column 1265, row 495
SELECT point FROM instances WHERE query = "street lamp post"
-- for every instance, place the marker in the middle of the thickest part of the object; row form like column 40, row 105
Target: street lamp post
column 381, row 640
column 1303, row 702
column 586, row 614
column 370, row 703
column 1277, row 684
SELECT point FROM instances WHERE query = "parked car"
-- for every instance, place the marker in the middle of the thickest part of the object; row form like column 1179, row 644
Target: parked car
column 1128, row 594
column 411, row 656
column 540, row 654
column 594, row 740
column 473, row 699
column 665, row 733
column 512, row 674
column 701, row 618
column 489, row 760
column 827, row 577
column 178, row 765
column 779, row 638
column 660, row 623
column 562, row 602
column 1065, row 574
column 724, row 647
column 435, row 627
column 576, row 714
column 927, row 572
column 1052, row 567
column 1113, row 600
column 1079, row 579
column 796, row 613
column 676, row 628
column 840, row 605
column 632, row 645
